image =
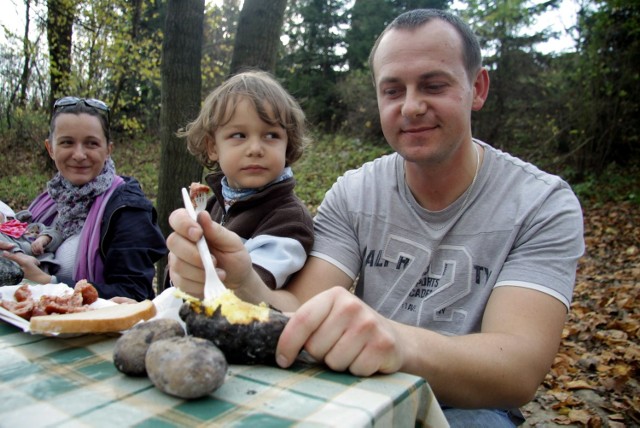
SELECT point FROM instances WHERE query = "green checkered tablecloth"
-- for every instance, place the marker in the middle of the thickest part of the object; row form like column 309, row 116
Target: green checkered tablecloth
column 72, row 382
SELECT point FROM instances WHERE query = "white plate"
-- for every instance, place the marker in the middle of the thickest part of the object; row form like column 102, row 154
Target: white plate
column 37, row 290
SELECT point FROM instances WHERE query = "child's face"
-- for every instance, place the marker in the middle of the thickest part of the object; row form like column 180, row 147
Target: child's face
column 250, row 152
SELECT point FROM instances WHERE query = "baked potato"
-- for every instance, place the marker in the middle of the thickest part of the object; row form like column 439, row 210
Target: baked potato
column 245, row 333
column 131, row 348
column 186, row 367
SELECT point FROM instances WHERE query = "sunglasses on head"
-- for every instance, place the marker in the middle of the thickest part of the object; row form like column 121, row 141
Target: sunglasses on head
column 91, row 102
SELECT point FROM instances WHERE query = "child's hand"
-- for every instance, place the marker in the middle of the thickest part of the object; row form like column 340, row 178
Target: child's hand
column 37, row 246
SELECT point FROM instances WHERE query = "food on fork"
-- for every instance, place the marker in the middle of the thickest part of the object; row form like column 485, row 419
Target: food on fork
column 245, row 333
column 212, row 286
column 197, row 189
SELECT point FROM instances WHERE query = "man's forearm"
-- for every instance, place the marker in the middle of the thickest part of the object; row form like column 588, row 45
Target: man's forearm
column 473, row 371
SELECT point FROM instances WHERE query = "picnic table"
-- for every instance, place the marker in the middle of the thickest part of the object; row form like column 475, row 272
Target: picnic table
column 72, row 382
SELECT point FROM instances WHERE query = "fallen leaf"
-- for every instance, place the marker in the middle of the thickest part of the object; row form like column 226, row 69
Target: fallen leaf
column 599, row 354
column 579, row 384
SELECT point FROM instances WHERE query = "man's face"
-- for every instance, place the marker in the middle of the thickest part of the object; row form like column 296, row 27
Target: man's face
column 424, row 95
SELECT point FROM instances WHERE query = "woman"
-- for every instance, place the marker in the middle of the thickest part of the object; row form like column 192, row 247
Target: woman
column 110, row 232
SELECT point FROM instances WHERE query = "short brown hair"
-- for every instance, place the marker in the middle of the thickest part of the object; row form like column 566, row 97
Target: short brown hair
column 262, row 89
column 413, row 19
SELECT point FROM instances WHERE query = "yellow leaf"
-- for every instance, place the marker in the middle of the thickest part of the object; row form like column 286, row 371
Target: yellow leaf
column 579, row 384
column 580, row 415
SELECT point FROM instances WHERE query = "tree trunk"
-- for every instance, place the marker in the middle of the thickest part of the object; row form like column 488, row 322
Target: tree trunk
column 26, row 48
column 60, row 15
column 181, row 85
column 20, row 91
column 258, row 35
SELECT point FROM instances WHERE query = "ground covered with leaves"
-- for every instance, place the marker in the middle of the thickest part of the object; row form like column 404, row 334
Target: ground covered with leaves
column 594, row 379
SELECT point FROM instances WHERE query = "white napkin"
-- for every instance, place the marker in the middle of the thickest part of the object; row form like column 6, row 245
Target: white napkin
column 6, row 210
column 168, row 305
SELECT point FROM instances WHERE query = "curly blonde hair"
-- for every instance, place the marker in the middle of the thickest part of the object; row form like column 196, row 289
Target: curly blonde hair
column 272, row 102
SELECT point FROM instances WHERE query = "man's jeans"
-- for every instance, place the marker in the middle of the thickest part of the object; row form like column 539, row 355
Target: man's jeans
column 489, row 418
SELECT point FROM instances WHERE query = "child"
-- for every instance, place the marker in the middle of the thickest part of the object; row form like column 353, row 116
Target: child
column 29, row 238
column 253, row 131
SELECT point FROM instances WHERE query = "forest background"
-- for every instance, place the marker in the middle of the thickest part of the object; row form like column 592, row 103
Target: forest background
column 573, row 113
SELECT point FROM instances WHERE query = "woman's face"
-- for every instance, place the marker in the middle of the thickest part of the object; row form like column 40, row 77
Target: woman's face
column 78, row 147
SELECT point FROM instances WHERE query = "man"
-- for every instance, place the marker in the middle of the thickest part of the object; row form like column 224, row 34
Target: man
column 465, row 256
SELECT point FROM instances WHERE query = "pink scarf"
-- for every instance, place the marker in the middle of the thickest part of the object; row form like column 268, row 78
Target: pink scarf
column 13, row 228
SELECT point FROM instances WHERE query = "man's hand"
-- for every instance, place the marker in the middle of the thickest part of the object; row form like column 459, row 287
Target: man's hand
column 338, row 328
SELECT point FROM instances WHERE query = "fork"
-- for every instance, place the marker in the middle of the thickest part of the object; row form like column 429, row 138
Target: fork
column 213, row 287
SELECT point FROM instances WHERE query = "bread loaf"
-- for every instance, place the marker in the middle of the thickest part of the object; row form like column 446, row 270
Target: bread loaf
column 104, row 320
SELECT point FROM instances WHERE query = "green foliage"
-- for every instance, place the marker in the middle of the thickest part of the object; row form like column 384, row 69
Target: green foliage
column 614, row 184
column 311, row 64
column 29, row 187
column 116, row 57
column 27, row 128
column 139, row 157
column 572, row 113
column 328, row 158
column 26, row 165
column 368, row 20
column 607, row 76
column 358, row 97
column 517, row 97
column 219, row 35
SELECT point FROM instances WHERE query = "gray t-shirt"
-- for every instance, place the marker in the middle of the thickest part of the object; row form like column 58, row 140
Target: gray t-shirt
column 521, row 227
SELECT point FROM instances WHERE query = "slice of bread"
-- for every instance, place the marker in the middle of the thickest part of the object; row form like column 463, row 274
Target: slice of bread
column 104, row 320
